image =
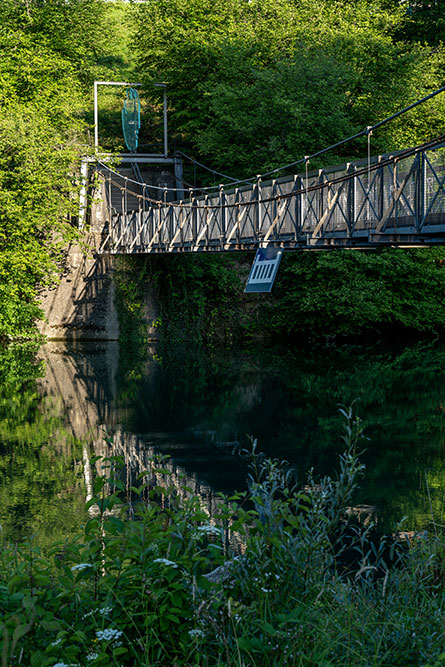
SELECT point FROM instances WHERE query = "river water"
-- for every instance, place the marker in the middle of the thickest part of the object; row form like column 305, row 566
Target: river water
column 85, row 399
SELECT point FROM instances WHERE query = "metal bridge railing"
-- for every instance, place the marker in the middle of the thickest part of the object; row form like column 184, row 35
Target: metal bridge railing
column 394, row 199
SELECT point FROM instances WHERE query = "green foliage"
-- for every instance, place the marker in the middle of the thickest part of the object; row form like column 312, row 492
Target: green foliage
column 131, row 280
column 198, row 298
column 51, row 53
column 81, row 32
column 281, row 79
column 327, row 294
column 424, row 21
column 316, row 295
column 161, row 589
column 39, row 487
column 39, row 148
column 266, row 114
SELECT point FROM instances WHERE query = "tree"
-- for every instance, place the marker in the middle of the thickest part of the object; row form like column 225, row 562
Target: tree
column 268, row 118
column 284, row 78
column 40, row 135
column 425, row 22
column 77, row 30
column 347, row 293
column 52, row 50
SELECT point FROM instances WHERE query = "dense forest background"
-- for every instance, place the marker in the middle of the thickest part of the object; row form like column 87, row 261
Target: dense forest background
column 252, row 84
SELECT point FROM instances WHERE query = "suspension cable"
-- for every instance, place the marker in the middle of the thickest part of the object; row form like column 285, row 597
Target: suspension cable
column 217, row 173
column 359, row 134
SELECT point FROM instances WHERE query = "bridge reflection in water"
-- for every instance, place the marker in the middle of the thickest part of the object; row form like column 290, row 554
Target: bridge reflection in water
column 396, row 199
column 82, row 379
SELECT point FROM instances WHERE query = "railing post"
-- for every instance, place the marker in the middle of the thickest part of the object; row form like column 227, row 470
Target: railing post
column 157, row 224
column 194, row 220
column 190, row 222
column 297, row 209
column 274, row 204
column 110, row 203
column 352, row 197
column 138, row 231
column 306, row 184
column 381, row 208
column 259, row 211
column 166, row 213
column 320, row 195
column 145, row 221
column 83, row 193
column 206, row 203
column 172, row 221
column 222, row 214
column 394, row 191
column 181, row 218
column 123, row 208
column 238, row 231
column 111, row 211
column 422, row 189
column 146, row 208
column 368, row 207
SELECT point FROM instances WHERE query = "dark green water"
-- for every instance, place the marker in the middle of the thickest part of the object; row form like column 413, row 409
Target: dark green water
column 197, row 407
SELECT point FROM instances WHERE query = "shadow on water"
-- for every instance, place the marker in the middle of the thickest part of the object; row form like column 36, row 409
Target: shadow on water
column 198, row 407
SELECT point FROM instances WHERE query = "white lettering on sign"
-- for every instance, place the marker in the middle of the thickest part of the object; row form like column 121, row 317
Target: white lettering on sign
column 263, row 271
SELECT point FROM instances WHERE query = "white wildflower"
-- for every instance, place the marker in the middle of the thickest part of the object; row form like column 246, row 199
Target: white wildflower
column 80, row 566
column 208, row 529
column 105, row 610
column 92, row 656
column 108, row 635
column 266, row 590
column 196, row 634
column 56, row 642
column 60, row 664
column 165, row 561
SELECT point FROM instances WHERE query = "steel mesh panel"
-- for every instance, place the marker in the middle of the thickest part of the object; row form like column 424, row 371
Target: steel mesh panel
column 434, row 191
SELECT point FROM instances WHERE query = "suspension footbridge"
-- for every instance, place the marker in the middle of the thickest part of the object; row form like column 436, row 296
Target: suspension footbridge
column 392, row 199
